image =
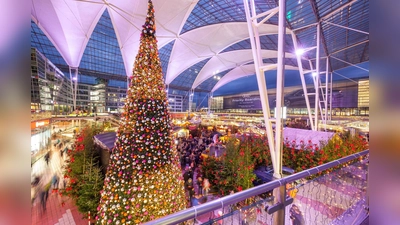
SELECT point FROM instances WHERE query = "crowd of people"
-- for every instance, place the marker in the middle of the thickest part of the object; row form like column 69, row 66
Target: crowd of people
column 192, row 151
column 47, row 176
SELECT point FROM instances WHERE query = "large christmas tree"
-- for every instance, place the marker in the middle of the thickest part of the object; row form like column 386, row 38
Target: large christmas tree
column 143, row 180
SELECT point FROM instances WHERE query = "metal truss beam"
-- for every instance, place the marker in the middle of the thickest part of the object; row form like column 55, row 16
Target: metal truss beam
column 275, row 141
column 303, row 82
column 359, row 67
column 348, row 28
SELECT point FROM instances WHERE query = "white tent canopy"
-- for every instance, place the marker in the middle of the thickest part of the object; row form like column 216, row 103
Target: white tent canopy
column 128, row 24
column 205, row 42
column 200, row 29
column 228, row 60
column 243, row 71
column 68, row 25
column 306, row 137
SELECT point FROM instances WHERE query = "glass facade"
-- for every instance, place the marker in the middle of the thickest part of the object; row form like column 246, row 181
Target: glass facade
column 363, row 93
column 348, row 99
column 102, row 53
column 115, row 99
column 175, row 103
column 50, row 89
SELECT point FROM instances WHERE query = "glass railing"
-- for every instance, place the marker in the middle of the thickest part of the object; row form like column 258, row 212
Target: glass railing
column 339, row 196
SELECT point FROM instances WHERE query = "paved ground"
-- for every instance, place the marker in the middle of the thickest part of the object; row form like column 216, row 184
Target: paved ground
column 60, row 210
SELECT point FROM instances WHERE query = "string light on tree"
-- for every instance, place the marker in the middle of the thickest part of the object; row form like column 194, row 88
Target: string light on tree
column 143, row 180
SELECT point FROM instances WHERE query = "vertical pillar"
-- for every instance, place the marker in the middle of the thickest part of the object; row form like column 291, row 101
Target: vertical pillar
column 167, row 90
column 73, row 74
column 279, row 193
column 79, row 124
column 262, row 87
column 280, row 86
column 191, row 94
column 128, row 81
column 330, row 100
column 317, row 80
column 210, row 99
column 303, row 82
column 326, row 91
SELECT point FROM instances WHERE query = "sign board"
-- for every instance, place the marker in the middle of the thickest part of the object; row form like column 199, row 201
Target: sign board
column 243, row 102
column 39, row 123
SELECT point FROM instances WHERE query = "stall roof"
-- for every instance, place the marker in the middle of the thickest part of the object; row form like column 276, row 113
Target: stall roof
column 301, row 136
column 106, row 140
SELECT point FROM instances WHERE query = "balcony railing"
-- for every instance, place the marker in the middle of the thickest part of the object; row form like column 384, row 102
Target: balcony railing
column 338, row 197
column 40, row 116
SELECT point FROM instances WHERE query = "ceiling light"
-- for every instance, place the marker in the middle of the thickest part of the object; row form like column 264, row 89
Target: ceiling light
column 300, row 51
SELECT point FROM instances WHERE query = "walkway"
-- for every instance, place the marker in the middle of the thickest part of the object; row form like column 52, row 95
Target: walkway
column 59, row 210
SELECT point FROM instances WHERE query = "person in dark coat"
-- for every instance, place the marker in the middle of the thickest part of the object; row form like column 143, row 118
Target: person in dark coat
column 47, row 158
column 188, row 175
column 296, row 215
column 54, row 181
column 190, row 189
column 44, row 195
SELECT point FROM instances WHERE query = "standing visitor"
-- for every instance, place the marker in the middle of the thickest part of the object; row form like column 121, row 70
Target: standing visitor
column 296, row 216
column 44, row 195
column 206, row 187
column 188, row 174
column 54, row 181
column 200, row 184
column 190, row 189
column 47, row 157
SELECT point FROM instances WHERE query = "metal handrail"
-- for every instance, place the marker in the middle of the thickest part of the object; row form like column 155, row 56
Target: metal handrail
column 195, row 211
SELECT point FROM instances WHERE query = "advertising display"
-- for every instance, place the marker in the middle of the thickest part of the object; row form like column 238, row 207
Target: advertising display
column 345, row 97
column 242, row 102
column 39, row 123
column 341, row 98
